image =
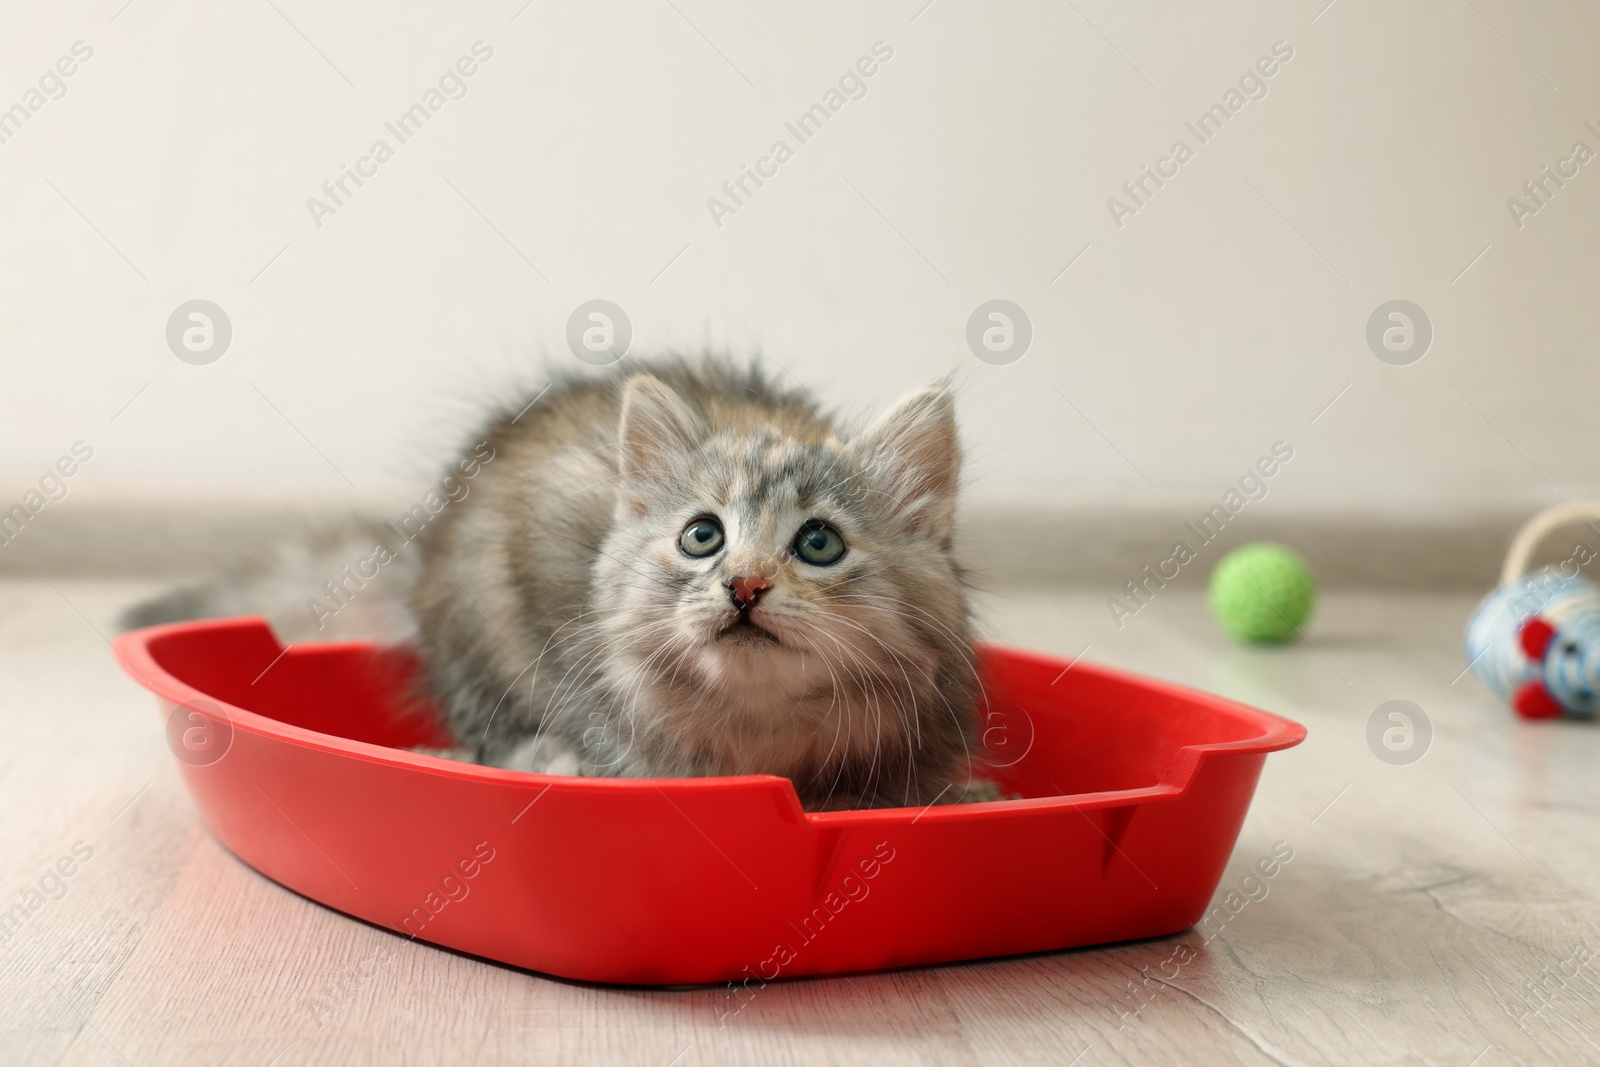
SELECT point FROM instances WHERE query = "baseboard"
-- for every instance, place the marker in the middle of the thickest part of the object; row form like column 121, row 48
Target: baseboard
column 1107, row 543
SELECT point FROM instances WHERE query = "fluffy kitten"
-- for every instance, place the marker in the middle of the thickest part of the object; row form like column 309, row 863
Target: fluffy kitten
column 694, row 572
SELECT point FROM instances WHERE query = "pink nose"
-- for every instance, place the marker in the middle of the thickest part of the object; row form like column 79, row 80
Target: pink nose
column 746, row 590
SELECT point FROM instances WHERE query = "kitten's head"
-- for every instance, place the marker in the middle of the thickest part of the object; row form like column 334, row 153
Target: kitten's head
column 766, row 561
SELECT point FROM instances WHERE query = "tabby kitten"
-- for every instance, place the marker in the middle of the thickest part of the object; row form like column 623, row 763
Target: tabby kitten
column 695, row 572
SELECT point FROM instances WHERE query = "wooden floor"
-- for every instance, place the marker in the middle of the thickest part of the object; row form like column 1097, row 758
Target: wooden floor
column 1442, row 912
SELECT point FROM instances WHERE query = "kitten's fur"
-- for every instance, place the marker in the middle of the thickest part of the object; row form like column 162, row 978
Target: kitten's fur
column 565, row 631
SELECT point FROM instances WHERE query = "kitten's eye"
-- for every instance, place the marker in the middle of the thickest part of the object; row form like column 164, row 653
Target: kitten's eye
column 701, row 538
column 819, row 544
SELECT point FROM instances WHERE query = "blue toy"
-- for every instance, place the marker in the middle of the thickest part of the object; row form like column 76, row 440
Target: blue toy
column 1535, row 641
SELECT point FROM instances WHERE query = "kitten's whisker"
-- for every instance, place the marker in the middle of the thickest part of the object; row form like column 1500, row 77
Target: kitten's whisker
column 874, row 697
column 914, row 725
column 910, row 689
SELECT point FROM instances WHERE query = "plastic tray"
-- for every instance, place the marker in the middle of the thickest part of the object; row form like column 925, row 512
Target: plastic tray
column 1134, row 792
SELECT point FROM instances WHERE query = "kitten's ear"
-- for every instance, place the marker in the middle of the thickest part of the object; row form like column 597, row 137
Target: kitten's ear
column 915, row 455
column 658, row 429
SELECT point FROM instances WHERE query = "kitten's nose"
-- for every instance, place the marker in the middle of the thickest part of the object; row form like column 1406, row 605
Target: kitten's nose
column 746, row 590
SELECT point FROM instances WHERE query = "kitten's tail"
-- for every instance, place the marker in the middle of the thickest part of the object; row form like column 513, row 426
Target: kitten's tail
column 349, row 581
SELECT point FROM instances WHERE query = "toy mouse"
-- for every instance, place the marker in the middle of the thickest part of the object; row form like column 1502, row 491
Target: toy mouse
column 1535, row 641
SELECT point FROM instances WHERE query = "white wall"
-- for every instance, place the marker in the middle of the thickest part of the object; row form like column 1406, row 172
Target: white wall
column 1202, row 330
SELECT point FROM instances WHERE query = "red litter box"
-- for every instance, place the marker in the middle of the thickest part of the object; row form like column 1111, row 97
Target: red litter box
column 1133, row 794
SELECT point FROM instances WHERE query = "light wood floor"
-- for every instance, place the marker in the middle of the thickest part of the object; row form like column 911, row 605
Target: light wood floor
column 1440, row 913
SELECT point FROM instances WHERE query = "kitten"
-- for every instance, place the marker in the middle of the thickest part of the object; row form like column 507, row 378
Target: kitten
column 695, row 572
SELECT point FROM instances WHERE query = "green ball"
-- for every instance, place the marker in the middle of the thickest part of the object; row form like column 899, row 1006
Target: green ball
column 1262, row 592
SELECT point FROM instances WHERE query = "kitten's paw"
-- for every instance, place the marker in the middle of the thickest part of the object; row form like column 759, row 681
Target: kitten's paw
column 540, row 755
column 455, row 752
column 979, row 791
